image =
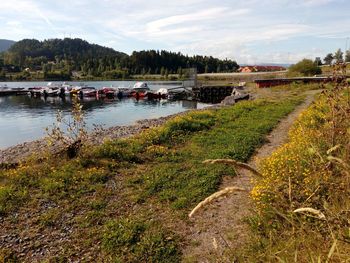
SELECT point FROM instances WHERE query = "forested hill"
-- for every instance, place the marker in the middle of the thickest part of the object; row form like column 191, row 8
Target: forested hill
column 5, row 44
column 29, row 52
column 156, row 61
column 91, row 59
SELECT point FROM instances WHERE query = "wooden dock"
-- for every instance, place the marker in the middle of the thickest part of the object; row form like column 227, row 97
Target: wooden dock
column 13, row 92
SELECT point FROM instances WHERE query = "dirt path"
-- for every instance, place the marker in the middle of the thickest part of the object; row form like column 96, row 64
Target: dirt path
column 221, row 225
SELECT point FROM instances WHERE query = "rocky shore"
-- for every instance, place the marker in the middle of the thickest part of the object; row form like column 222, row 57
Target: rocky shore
column 24, row 150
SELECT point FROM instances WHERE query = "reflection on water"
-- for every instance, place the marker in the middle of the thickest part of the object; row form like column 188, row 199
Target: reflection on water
column 23, row 118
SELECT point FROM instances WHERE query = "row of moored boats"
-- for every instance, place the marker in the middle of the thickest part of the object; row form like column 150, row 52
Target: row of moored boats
column 139, row 90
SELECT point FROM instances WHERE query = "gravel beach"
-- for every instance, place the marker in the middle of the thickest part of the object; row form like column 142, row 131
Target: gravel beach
column 20, row 152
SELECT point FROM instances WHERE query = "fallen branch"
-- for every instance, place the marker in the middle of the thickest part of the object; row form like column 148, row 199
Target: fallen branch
column 313, row 211
column 214, row 196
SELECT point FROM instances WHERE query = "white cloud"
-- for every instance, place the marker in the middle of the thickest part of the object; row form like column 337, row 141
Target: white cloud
column 233, row 28
column 201, row 16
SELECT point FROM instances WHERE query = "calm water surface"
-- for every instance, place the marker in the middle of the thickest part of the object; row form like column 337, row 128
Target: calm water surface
column 23, row 118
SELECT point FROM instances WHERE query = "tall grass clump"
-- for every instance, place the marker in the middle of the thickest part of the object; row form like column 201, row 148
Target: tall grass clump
column 302, row 198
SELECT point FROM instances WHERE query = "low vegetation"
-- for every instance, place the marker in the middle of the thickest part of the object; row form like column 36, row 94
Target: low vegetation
column 128, row 199
column 302, row 200
column 305, row 67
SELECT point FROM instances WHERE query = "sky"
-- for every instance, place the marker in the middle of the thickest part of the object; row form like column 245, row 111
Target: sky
column 248, row 31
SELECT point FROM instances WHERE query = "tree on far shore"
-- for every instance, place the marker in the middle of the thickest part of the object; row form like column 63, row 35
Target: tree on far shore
column 305, row 67
column 328, row 59
column 338, row 56
column 347, row 56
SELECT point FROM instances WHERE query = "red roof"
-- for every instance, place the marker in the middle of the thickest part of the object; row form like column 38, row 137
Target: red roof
column 264, row 68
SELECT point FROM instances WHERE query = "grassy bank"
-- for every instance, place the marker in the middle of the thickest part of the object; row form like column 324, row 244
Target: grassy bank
column 127, row 200
column 309, row 173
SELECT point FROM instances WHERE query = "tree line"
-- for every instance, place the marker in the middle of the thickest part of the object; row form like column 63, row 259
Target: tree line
column 339, row 56
column 65, row 56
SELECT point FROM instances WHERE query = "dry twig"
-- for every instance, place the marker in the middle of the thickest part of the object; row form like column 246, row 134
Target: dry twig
column 214, row 196
column 236, row 164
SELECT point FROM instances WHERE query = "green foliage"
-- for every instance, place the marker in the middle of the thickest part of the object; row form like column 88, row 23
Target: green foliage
column 2, row 75
column 310, row 171
column 181, row 179
column 328, row 59
column 10, row 198
column 338, row 56
column 130, row 240
column 115, row 74
column 59, row 75
column 347, row 56
column 121, row 150
column 56, row 50
column 306, row 67
column 58, row 57
column 147, row 182
column 174, row 129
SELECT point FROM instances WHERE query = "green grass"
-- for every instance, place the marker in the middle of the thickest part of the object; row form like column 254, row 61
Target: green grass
column 181, row 180
column 130, row 240
column 131, row 195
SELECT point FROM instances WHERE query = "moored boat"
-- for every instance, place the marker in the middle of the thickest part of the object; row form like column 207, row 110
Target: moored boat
column 87, row 92
column 159, row 94
column 140, row 90
column 65, row 89
column 107, row 92
column 36, row 91
column 123, row 92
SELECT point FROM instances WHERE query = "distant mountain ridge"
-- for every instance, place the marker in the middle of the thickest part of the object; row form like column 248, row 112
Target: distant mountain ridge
column 5, row 44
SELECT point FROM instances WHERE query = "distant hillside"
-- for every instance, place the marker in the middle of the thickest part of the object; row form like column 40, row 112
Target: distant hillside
column 67, row 55
column 76, row 50
column 5, row 44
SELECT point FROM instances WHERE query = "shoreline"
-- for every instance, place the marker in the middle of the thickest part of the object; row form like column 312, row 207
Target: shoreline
column 19, row 152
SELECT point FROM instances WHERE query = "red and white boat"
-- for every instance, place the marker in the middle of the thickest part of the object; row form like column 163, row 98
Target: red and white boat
column 140, row 90
column 88, row 92
column 107, row 92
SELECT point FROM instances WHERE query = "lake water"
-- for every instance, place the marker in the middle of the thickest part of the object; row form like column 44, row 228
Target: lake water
column 23, row 118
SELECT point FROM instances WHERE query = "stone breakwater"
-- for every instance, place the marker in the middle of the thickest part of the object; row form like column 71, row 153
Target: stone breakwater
column 25, row 150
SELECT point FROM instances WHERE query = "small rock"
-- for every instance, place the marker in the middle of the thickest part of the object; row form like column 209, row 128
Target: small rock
column 228, row 101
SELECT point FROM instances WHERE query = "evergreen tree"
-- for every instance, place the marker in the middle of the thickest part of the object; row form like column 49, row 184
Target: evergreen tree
column 338, row 56
column 347, row 56
column 328, row 59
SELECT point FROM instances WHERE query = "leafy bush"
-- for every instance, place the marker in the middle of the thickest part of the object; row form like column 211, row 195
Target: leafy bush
column 305, row 67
